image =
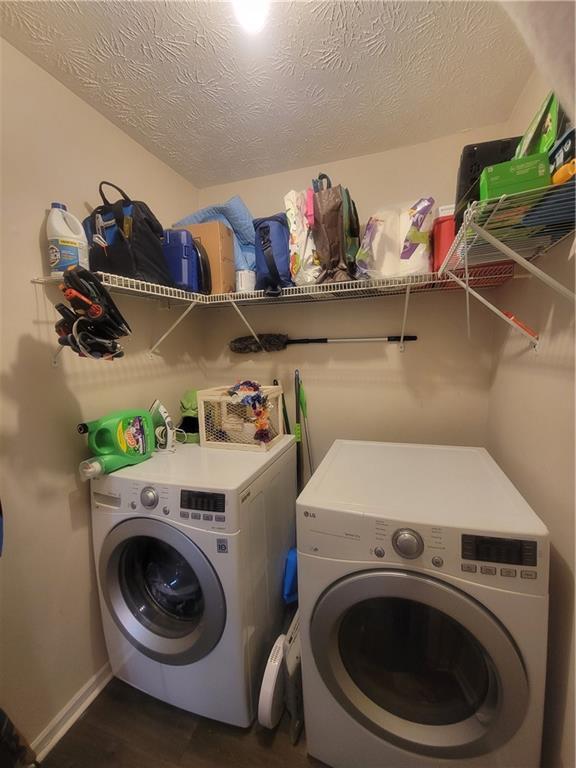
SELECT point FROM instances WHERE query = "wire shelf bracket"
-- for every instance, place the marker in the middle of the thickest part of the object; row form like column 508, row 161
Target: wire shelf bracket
column 174, row 325
column 532, row 339
column 247, row 324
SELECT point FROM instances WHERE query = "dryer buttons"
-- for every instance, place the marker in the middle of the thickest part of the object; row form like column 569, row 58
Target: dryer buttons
column 437, row 562
column 379, row 551
column 149, row 498
column 408, row 543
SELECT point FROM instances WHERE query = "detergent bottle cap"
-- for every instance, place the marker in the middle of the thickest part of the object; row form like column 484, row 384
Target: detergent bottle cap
column 90, row 468
column 58, row 205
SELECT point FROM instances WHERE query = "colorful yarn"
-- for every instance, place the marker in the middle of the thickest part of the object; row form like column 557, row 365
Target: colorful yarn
column 250, row 393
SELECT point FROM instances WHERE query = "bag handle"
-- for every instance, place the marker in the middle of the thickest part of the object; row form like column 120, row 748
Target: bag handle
column 318, row 184
column 274, row 288
column 109, row 184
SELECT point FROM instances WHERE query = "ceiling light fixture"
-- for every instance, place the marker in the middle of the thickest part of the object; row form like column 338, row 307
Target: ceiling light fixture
column 251, row 14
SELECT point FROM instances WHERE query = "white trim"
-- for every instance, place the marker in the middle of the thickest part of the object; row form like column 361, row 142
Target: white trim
column 68, row 715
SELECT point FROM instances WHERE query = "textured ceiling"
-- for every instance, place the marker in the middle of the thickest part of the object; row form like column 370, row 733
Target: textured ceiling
column 323, row 81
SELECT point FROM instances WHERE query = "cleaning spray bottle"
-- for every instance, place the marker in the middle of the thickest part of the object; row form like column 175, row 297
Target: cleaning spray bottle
column 117, row 440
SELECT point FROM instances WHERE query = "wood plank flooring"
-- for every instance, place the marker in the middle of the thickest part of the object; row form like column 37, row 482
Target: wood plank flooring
column 124, row 728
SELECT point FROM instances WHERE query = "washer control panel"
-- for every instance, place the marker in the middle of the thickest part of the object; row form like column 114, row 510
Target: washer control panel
column 202, row 509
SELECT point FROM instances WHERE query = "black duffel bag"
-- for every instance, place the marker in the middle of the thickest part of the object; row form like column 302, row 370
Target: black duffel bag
column 125, row 238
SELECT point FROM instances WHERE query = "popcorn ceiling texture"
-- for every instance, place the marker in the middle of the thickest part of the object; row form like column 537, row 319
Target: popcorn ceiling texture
column 323, row 81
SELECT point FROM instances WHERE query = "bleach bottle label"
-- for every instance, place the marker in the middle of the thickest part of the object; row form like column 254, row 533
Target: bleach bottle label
column 62, row 254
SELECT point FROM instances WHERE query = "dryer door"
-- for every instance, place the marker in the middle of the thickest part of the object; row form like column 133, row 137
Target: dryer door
column 419, row 663
column 162, row 591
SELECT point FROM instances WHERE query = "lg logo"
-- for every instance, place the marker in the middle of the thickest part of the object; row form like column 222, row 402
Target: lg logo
column 309, row 514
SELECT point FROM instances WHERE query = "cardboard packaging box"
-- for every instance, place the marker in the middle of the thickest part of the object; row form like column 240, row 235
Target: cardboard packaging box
column 219, row 246
column 514, row 176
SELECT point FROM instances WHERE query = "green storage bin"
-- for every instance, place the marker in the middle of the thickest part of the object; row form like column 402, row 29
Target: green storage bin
column 515, row 176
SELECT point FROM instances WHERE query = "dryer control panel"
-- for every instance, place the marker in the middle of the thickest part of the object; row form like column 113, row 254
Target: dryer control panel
column 513, row 563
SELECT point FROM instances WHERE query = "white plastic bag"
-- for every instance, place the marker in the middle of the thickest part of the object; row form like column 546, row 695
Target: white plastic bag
column 304, row 265
column 397, row 242
column 379, row 250
column 416, row 225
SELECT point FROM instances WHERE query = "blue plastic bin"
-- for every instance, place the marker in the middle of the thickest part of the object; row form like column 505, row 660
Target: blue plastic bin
column 182, row 258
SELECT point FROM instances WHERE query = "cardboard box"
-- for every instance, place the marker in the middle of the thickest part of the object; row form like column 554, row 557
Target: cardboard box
column 514, row 176
column 219, row 246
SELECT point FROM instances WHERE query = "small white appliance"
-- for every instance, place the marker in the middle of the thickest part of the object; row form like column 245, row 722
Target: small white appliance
column 190, row 549
column 423, row 587
column 282, row 683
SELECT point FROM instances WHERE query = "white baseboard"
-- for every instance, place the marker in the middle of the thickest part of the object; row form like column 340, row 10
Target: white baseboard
column 68, row 715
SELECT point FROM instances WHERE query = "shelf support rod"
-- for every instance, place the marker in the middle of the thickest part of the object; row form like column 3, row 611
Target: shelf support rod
column 533, row 341
column 247, row 324
column 524, row 263
column 164, row 336
column 404, row 317
column 467, row 217
column 55, row 357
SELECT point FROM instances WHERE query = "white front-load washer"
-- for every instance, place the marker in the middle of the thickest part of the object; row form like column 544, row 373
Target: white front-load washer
column 190, row 549
column 423, row 585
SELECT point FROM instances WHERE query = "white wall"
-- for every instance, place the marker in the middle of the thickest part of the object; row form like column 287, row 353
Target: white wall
column 56, row 147
column 375, row 181
column 531, row 435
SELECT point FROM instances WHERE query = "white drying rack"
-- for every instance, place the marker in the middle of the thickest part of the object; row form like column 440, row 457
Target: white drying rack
column 517, row 228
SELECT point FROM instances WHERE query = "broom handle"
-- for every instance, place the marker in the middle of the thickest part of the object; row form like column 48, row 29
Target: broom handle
column 350, row 341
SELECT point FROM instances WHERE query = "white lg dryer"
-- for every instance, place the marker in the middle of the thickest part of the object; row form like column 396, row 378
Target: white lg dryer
column 423, row 585
column 190, row 549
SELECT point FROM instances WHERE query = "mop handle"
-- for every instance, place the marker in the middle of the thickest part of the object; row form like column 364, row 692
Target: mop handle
column 352, row 341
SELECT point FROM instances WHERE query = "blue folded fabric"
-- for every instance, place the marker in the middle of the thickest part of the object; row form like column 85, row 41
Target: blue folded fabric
column 290, row 585
column 235, row 215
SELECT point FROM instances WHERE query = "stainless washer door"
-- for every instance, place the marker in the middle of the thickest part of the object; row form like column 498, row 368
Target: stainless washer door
column 419, row 663
column 162, row 591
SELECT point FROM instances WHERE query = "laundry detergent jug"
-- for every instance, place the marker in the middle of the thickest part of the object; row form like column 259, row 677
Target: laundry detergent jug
column 67, row 243
column 117, row 440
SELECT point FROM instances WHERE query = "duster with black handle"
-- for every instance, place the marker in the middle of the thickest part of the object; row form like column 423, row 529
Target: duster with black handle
column 276, row 342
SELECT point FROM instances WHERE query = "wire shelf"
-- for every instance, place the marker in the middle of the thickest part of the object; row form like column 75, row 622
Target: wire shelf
column 529, row 222
column 480, row 277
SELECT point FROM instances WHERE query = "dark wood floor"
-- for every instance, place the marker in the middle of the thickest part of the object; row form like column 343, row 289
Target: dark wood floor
column 124, row 728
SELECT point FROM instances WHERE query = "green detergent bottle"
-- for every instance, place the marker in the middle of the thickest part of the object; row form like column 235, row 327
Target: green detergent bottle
column 117, row 440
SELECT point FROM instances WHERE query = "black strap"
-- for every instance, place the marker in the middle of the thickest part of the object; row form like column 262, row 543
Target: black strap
column 275, row 286
column 109, row 184
column 118, row 211
column 204, row 267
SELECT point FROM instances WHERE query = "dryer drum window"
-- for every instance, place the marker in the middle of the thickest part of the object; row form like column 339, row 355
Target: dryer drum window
column 419, row 663
column 414, row 661
column 160, row 587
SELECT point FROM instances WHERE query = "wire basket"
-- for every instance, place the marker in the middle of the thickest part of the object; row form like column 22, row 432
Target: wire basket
column 226, row 422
